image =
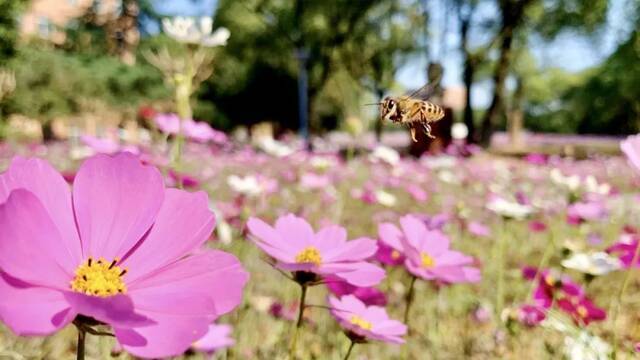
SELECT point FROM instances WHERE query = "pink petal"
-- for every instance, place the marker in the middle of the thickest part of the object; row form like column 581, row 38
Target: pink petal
column 269, row 240
column 172, row 335
column 215, row 275
column 28, row 310
column 217, row 337
column 358, row 274
column 299, row 232
column 117, row 311
column 116, row 199
column 54, row 194
column 30, row 243
column 183, row 224
column 390, row 235
column 354, row 250
column 330, row 237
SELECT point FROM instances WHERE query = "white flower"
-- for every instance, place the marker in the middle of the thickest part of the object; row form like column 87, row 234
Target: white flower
column 459, row 131
column 187, row 30
column 247, row 185
column 591, row 185
column 598, row 263
column 385, row 154
column 321, row 162
column 223, row 230
column 584, row 346
column 570, row 182
column 273, row 147
column 440, row 162
column 509, row 209
column 385, row 198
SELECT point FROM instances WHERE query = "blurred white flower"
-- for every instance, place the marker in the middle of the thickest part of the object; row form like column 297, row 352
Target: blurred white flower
column 598, row 263
column 247, row 185
column 509, row 209
column 439, row 162
column 591, row 185
column 223, row 230
column 273, row 147
column 385, row 198
column 572, row 183
column 584, row 346
column 385, row 154
column 195, row 31
column 321, row 162
column 459, row 131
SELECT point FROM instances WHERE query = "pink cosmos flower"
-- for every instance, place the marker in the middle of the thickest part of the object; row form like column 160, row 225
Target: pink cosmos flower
column 625, row 249
column 478, row 229
column 295, row 246
column 107, row 250
column 580, row 212
column 537, row 226
column 106, row 145
column 388, row 256
column 368, row 295
column 364, row 322
column 217, row 337
column 531, row 315
column 582, row 310
column 427, row 252
column 631, row 148
column 195, row 130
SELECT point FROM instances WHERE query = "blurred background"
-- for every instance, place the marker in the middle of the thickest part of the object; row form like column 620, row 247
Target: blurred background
column 513, row 71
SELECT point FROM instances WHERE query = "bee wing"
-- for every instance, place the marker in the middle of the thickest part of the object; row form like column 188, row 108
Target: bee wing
column 422, row 93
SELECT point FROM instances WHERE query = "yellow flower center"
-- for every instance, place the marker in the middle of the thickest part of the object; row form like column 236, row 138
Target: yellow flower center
column 550, row 280
column 582, row 311
column 99, row 278
column 361, row 323
column 309, row 255
column 427, row 260
column 395, row 255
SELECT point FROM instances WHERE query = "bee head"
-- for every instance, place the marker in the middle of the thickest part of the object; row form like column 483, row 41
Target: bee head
column 388, row 108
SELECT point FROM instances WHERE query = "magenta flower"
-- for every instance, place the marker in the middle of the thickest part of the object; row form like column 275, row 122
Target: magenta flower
column 427, row 252
column 295, row 246
column 625, row 249
column 364, row 323
column 118, row 248
column 580, row 212
column 582, row 310
column 368, row 295
column 389, row 256
column 531, row 315
column 217, row 337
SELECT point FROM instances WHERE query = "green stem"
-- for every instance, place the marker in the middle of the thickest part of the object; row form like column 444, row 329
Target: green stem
column 346, row 357
column 294, row 340
column 618, row 303
column 409, row 300
column 500, row 273
column 80, row 347
column 546, row 256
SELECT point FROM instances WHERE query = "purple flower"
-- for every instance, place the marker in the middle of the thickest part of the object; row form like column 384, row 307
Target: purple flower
column 366, row 322
column 427, row 252
column 293, row 243
column 118, row 248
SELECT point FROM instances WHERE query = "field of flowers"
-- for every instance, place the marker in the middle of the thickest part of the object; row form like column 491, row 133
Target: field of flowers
column 469, row 254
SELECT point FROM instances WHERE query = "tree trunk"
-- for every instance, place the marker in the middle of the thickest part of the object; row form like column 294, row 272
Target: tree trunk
column 512, row 16
column 468, row 72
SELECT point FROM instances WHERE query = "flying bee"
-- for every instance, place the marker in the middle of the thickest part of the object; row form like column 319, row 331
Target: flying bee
column 409, row 110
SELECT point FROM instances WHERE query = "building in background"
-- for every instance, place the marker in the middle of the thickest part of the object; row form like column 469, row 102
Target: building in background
column 47, row 19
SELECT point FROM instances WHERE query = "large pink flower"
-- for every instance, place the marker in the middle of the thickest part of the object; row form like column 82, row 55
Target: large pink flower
column 364, row 322
column 631, row 148
column 427, row 253
column 293, row 243
column 118, row 248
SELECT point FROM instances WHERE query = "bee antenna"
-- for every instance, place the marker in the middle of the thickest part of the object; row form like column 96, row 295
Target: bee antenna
column 378, row 103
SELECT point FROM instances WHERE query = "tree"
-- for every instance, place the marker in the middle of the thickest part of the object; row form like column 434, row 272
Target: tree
column 9, row 28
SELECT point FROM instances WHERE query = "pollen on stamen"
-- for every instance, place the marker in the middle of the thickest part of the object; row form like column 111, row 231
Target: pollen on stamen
column 100, row 278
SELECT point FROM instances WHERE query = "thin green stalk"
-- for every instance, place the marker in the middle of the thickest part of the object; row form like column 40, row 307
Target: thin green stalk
column 409, row 300
column 346, row 357
column 294, row 340
column 546, row 256
column 501, row 270
column 80, row 348
column 618, row 303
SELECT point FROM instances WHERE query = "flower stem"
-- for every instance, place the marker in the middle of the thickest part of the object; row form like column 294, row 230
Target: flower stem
column 409, row 300
column 546, row 255
column 294, row 340
column 80, row 347
column 501, row 269
column 618, row 303
column 346, row 357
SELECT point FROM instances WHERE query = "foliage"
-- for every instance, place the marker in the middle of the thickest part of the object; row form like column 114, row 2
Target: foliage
column 53, row 83
column 8, row 27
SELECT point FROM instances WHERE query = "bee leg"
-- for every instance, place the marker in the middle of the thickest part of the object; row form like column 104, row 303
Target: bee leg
column 427, row 130
column 413, row 133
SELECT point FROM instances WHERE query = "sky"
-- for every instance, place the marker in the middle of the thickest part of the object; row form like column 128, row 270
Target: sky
column 570, row 51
